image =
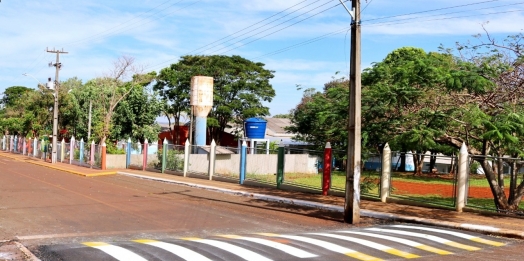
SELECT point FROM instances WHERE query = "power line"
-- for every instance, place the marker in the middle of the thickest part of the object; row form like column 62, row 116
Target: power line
column 245, row 28
column 432, row 10
column 262, row 32
column 266, row 35
column 316, row 39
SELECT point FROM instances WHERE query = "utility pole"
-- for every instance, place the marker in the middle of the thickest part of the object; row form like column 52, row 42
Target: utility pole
column 353, row 167
column 57, row 65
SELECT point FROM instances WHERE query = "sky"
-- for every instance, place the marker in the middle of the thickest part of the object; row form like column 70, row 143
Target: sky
column 305, row 42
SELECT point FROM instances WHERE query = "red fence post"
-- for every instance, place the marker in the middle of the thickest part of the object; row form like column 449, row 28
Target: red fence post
column 326, row 179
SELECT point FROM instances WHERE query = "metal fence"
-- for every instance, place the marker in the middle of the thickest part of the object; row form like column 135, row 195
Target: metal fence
column 508, row 173
column 435, row 184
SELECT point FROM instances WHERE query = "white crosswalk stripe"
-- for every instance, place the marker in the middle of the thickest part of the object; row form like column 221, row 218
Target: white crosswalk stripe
column 282, row 247
column 236, row 250
column 426, row 236
column 119, row 253
column 328, row 246
column 402, row 241
column 453, row 233
column 370, row 244
column 182, row 252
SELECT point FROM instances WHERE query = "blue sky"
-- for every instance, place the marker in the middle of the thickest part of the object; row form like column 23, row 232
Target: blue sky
column 157, row 32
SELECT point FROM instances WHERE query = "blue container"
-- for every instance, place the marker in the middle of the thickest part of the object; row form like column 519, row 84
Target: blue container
column 255, row 128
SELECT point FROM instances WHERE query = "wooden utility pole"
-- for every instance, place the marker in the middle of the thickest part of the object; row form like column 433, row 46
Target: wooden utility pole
column 352, row 201
column 55, row 108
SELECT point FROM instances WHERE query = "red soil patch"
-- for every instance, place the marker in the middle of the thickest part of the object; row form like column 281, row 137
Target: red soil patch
column 412, row 188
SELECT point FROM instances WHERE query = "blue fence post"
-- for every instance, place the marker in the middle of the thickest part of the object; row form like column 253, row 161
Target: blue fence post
column 16, row 144
column 243, row 155
column 128, row 153
column 81, row 155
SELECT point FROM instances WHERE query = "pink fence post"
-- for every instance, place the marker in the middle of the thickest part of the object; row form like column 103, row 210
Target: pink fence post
column 326, row 178
column 144, row 151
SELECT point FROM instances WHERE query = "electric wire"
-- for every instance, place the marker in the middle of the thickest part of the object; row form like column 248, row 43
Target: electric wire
column 275, row 21
column 316, row 39
column 245, row 28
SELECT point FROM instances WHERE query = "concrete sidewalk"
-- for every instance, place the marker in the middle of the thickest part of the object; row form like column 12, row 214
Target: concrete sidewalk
column 484, row 223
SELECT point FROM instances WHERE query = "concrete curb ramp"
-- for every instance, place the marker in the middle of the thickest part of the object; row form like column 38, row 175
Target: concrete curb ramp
column 368, row 213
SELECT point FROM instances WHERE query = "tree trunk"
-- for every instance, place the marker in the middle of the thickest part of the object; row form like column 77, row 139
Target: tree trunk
column 402, row 166
column 432, row 161
column 499, row 197
column 418, row 159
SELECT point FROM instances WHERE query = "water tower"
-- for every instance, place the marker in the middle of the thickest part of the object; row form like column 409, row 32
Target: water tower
column 202, row 102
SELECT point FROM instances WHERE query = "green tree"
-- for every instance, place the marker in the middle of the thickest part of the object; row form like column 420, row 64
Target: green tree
column 240, row 87
column 403, row 101
column 321, row 117
column 135, row 116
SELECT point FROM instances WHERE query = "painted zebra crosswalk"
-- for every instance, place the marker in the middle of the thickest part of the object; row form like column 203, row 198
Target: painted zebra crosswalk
column 374, row 243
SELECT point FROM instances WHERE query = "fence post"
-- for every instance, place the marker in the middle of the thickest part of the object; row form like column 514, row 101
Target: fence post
column 212, row 154
column 144, row 158
column 187, row 147
column 128, row 153
column 35, row 147
column 164, row 155
column 92, row 156
column 24, row 148
column 3, row 142
column 81, row 152
column 103, row 157
column 29, row 147
column 12, row 140
column 460, row 200
column 62, row 150
column 280, row 165
column 386, row 173
column 326, row 178
column 71, row 149
column 243, row 155
column 16, row 143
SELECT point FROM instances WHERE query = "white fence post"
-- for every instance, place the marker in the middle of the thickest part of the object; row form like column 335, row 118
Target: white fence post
column 460, row 200
column 385, row 178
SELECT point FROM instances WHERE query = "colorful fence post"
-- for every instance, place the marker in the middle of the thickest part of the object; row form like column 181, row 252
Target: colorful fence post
column 187, row 147
column 128, row 153
column 35, row 147
column 385, row 178
column 12, row 140
column 280, row 165
column 144, row 158
column 92, row 158
column 460, row 200
column 103, row 157
column 16, row 143
column 81, row 152
column 164, row 155
column 243, row 155
column 326, row 178
column 62, row 150
column 71, row 149
column 24, row 148
column 3, row 142
column 212, row 156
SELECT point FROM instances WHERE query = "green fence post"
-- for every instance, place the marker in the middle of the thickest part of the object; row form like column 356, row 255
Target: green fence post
column 280, row 165
column 164, row 155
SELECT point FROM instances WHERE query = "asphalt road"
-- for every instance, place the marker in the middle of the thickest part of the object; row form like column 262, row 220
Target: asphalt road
column 58, row 215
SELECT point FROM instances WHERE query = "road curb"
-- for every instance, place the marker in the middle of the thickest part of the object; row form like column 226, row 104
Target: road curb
column 47, row 165
column 488, row 230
